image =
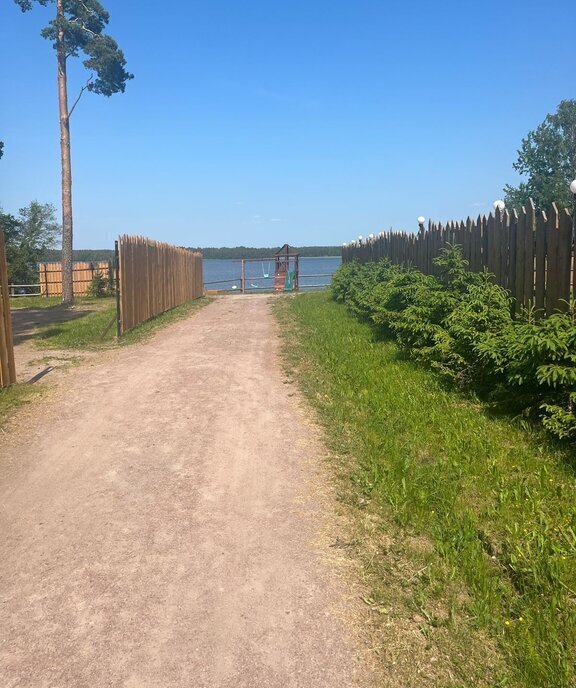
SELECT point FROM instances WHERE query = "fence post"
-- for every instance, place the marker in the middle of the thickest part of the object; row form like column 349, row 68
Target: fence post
column 7, row 365
column 117, row 276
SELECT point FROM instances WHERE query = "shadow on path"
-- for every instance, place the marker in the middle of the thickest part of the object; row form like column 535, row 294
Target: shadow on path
column 25, row 321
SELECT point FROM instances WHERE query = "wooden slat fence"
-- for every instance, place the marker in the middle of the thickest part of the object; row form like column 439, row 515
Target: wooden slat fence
column 83, row 273
column 7, row 366
column 530, row 253
column 154, row 278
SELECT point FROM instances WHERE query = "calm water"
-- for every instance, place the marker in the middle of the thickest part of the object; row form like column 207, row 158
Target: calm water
column 230, row 270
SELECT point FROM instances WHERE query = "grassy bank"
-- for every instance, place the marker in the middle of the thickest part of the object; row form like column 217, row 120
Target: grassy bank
column 465, row 523
column 19, row 303
column 89, row 332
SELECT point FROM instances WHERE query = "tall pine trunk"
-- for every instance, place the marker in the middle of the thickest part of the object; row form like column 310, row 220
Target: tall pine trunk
column 67, row 279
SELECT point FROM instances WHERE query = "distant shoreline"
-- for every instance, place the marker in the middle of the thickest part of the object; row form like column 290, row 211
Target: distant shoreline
column 209, row 253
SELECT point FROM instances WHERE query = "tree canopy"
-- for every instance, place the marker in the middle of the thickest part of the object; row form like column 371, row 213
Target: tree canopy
column 83, row 24
column 547, row 158
column 28, row 237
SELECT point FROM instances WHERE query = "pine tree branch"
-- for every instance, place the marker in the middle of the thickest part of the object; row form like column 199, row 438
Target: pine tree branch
column 79, row 96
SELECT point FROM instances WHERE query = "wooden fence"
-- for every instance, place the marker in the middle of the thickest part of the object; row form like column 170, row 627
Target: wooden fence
column 154, row 278
column 7, row 366
column 530, row 253
column 83, row 273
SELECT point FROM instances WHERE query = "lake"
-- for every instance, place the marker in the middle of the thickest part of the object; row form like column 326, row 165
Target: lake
column 314, row 273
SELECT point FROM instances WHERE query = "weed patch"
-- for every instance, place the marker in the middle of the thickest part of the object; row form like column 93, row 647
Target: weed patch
column 14, row 397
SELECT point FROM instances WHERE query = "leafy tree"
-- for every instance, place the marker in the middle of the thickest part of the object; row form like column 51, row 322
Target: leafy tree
column 77, row 28
column 548, row 158
column 28, row 236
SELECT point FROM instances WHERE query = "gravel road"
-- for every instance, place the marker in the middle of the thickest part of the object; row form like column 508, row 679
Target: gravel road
column 163, row 520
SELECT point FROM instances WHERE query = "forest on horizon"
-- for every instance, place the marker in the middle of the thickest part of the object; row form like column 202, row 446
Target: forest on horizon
column 223, row 253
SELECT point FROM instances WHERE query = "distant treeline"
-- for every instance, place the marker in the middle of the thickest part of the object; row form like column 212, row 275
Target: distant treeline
column 88, row 255
column 251, row 252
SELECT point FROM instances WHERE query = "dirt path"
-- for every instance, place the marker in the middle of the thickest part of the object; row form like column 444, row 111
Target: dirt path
column 160, row 522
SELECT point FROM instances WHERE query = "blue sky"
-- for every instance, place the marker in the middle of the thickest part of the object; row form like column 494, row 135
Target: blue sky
column 310, row 122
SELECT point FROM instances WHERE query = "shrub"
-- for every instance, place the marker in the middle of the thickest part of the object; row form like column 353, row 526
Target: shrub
column 541, row 363
column 99, row 286
column 460, row 324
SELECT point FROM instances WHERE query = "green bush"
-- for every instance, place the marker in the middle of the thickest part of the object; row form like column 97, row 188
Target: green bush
column 99, row 286
column 460, row 323
column 540, row 362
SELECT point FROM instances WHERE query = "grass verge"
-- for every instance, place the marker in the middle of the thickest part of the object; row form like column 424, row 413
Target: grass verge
column 19, row 303
column 87, row 332
column 465, row 524
column 16, row 396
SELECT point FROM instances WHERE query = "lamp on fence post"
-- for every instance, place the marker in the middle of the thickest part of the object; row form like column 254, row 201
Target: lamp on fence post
column 573, row 190
column 499, row 205
column 421, row 221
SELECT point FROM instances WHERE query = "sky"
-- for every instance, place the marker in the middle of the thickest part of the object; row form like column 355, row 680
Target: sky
column 307, row 121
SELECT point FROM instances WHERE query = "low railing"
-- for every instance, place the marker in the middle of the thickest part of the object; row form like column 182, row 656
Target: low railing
column 12, row 290
column 236, row 283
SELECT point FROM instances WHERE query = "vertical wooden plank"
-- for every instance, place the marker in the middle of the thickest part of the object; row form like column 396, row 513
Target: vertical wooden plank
column 465, row 239
column 489, row 244
column 498, row 239
column 504, row 250
column 529, row 253
column 7, row 336
column 122, row 283
column 518, row 292
column 4, row 343
column 552, row 263
column 564, row 259
column 483, row 243
column 512, row 252
column 540, row 263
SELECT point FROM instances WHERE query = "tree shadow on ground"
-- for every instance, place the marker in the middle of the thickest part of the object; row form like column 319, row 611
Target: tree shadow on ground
column 25, row 322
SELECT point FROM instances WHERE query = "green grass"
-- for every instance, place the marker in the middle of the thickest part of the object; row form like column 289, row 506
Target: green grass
column 55, row 302
column 495, row 501
column 14, row 397
column 86, row 332
column 34, row 302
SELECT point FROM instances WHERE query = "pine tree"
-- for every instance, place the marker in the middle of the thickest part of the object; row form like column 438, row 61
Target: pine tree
column 78, row 27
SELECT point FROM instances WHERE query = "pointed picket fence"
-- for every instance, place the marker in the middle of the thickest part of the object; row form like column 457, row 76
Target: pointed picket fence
column 154, row 277
column 50, row 276
column 530, row 253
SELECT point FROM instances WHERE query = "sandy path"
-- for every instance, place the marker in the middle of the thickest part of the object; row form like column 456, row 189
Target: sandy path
column 159, row 522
